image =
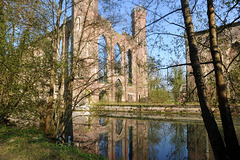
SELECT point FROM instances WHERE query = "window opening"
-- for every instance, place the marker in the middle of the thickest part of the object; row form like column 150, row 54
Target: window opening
column 102, row 60
column 129, row 67
column 117, row 59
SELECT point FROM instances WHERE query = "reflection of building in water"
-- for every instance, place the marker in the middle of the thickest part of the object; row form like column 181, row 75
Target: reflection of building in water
column 198, row 144
column 112, row 138
column 137, row 139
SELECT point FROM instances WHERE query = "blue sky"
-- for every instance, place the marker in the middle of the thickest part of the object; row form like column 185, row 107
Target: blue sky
column 169, row 49
column 160, row 46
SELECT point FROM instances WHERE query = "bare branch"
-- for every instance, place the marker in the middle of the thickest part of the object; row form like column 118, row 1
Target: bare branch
column 171, row 34
column 157, row 20
column 185, row 64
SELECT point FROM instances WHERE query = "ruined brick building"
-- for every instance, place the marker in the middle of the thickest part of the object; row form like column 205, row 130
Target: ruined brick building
column 228, row 40
column 108, row 66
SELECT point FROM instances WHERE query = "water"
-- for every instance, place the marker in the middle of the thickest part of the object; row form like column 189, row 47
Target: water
column 155, row 137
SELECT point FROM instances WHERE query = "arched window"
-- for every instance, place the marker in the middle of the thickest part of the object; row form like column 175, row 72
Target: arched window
column 102, row 60
column 118, row 91
column 129, row 67
column 117, row 59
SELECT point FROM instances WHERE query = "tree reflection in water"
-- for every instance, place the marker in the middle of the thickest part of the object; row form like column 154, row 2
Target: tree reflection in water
column 167, row 140
column 178, row 139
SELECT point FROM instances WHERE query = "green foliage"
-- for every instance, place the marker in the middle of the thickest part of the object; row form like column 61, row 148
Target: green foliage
column 157, row 92
column 21, row 68
column 177, row 81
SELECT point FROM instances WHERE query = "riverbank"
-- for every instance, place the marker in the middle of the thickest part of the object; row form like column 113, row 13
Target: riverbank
column 154, row 108
column 16, row 143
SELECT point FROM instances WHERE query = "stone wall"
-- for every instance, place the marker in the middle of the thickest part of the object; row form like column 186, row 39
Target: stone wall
column 82, row 33
column 192, row 109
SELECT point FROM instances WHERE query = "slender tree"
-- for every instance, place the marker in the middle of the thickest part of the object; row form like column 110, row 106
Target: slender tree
column 227, row 122
column 52, row 72
column 216, row 141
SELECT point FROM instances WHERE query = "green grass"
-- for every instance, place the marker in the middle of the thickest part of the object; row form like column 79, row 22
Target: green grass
column 30, row 143
column 144, row 104
column 131, row 104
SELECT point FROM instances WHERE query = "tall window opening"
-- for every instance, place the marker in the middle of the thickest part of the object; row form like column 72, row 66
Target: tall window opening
column 117, row 59
column 69, row 53
column 118, row 91
column 60, row 57
column 129, row 67
column 102, row 60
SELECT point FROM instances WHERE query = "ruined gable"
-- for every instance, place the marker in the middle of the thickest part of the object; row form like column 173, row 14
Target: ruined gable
column 85, row 28
column 228, row 39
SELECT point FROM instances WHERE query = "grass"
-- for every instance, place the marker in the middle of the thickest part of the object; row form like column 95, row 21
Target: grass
column 145, row 104
column 131, row 104
column 16, row 143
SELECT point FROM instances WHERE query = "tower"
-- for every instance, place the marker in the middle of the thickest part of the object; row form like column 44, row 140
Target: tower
column 84, row 13
column 139, row 22
column 84, row 16
column 139, row 34
column 87, row 8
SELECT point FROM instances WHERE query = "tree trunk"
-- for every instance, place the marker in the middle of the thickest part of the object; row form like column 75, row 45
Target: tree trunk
column 52, row 71
column 227, row 123
column 208, row 117
column 50, row 99
column 42, row 116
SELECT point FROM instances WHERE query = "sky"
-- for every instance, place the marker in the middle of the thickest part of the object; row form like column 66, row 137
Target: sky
column 159, row 45
column 168, row 49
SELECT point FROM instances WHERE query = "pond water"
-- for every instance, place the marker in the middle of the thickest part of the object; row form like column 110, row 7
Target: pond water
column 155, row 137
